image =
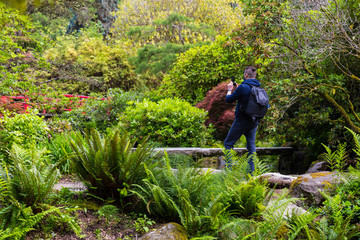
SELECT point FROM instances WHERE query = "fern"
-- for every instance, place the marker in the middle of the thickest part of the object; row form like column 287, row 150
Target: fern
column 338, row 226
column 17, row 220
column 109, row 163
column 273, row 218
column 335, row 159
column 239, row 228
column 300, row 226
column 182, row 196
column 32, row 177
column 357, row 143
column 240, row 165
column 245, row 198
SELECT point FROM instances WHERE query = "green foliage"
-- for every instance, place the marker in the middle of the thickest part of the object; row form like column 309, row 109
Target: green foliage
column 356, row 138
column 336, row 159
column 15, row 33
column 170, row 122
column 200, row 69
column 17, row 63
column 22, row 129
column 102, row 112
column 240, row 165
column 22, row 220
column 85, row 63
column 316, row 89
column 142, row 224
column 59, row 151
column 32, row 176
column 107, row 164
column 337, row 225
column 177, row 21
column 245, row 198
column 185, row 195
column 158, row 58
column 349, row 193
column 110, row 213
column 24, row 186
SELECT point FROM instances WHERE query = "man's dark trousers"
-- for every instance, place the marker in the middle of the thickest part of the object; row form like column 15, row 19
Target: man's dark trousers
column 242, row 126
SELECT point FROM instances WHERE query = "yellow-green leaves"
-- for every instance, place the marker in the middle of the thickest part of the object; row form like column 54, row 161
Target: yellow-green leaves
column 193, row 22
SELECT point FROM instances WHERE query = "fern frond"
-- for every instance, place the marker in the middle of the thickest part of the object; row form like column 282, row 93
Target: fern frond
column 335, row 159
column 300, row 224
column 356, row 141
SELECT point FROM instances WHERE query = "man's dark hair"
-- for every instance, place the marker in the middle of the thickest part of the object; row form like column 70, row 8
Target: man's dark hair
column 250, row 71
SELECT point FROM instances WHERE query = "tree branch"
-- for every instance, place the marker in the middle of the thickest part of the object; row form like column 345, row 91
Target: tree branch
column 341, row 110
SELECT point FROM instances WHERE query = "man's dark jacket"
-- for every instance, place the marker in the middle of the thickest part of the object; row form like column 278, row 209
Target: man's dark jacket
column 242, row 94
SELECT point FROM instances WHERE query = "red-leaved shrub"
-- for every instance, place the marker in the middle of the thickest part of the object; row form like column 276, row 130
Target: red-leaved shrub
column 11, row 107
column 221, row 114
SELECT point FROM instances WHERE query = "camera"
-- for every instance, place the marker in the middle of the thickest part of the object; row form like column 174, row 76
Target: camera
column 233, row 80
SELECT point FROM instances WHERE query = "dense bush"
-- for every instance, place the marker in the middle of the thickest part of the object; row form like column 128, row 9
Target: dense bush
column 16, row 58
column 221, row 114
column 101, row 112
column 157, row 59
column 85, row 63
column 200, row 69
column 175, row 21
column 170, row 122
column 22, row 129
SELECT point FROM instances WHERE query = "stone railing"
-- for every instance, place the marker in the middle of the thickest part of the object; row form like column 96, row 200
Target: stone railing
column 285, row 153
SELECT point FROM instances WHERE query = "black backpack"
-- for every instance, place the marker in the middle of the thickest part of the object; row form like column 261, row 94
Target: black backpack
column 258, row 102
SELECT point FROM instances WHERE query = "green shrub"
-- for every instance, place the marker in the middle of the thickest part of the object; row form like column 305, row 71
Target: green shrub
column 200, row 69
column 170, row 122
column 101, row 112
column 107, row 164
column 22, row 129
column 85, row 63
column 17, row 61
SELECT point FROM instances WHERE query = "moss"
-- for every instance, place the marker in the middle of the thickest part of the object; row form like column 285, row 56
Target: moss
column 297, row 181
column 319, row 174
column 282, row 232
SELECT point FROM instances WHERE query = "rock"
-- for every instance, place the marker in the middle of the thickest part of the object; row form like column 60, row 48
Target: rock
column 278, row 180
column 318, row 167
column 285, row 208
column 169, row 231
column 309, row 186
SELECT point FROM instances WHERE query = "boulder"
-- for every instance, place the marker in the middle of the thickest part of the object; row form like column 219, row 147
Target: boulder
column 278, row 180
column 169, row 231
column 310, row 186
column 318, row 167
column 284, row 208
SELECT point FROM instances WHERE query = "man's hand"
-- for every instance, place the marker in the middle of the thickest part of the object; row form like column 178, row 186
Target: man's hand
column 230, row 88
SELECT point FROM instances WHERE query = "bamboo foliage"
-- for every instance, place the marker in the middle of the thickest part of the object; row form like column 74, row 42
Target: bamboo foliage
column 109, row 164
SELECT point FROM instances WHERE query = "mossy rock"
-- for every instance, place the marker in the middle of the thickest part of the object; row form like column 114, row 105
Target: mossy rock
column 310, row 186
column 169, row 231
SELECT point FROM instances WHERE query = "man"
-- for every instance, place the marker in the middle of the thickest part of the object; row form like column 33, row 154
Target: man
column 243, row 124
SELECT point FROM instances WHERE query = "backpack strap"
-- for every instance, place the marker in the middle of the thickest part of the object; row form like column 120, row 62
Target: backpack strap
column 242, row 107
